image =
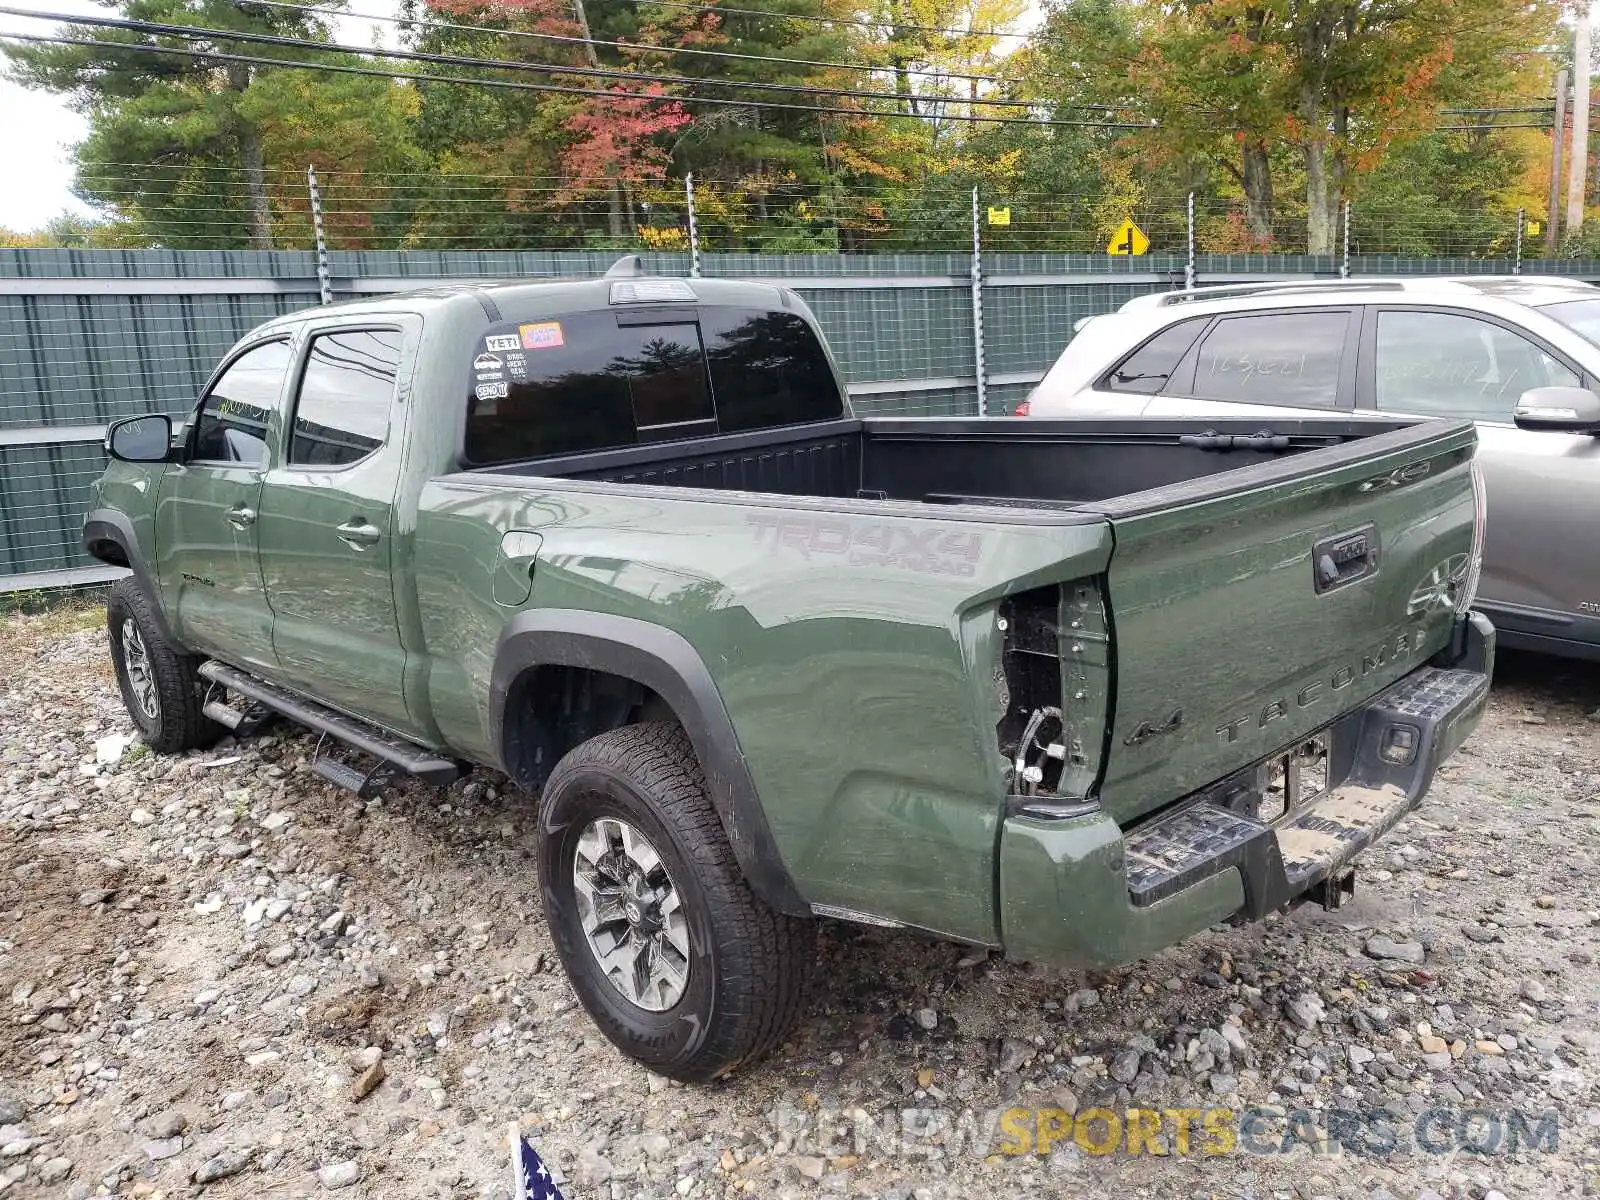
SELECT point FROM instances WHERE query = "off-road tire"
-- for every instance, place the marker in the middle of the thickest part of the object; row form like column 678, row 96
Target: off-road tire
column 748, row 965
column 178, row 724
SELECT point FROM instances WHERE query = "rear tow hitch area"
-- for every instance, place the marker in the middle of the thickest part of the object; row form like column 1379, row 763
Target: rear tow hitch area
column 1333, row 891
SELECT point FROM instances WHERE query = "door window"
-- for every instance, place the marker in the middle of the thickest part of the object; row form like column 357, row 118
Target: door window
column 342, row 412
column 1287, row 359
column 232, row 425
column 1149, row 367
column 1458, row 366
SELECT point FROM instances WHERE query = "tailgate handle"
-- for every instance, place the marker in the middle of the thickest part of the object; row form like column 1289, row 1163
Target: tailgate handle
column 1212, row 440
column 1344, row 558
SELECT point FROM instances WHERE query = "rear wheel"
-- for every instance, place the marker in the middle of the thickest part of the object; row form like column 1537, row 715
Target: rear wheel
column 160, row 684
column 674, row 957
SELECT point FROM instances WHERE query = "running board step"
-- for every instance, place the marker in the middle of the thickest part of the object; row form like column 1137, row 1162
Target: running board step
column 242, row 724
column 344, row 775
column 407, row 756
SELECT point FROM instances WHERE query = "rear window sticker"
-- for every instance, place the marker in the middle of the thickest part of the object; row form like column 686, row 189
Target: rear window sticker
column 501, row 341
column 544, row 335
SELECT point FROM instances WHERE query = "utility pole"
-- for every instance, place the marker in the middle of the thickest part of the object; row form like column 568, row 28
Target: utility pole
column 1558, row 143
column 1578, row 166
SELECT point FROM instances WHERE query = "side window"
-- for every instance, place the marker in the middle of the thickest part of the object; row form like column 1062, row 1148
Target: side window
column 1458, row 366
column 1149, row 367
column 232, row 425
column 1288, row 359
column 342, row 412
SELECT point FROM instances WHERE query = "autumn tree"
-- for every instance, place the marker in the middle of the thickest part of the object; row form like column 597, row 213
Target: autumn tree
column 1336, row 82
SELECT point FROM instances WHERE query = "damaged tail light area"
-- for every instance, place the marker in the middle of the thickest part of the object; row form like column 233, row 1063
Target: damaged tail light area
column 1467, row 590
column 1054, row 685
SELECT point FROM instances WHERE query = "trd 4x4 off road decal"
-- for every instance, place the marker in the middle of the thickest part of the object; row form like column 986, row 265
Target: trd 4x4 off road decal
column 872, row 543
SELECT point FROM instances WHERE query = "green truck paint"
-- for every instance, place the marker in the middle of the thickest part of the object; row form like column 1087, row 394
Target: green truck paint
column 940, row 674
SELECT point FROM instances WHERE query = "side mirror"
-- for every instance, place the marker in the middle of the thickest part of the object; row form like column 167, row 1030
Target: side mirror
column 1563, row 409
column 146, row 439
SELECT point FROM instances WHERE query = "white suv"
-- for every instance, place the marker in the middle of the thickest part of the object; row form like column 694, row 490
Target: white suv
column 1446, row 347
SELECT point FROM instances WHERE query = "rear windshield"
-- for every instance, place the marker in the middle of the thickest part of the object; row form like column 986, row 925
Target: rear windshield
column 1582, row 316
column 597, row 380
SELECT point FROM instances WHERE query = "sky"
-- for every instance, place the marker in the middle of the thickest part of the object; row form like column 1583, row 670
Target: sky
column 38, row 129
column 35, row 130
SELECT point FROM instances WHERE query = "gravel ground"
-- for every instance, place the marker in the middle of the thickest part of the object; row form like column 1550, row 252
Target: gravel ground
column 225, row 976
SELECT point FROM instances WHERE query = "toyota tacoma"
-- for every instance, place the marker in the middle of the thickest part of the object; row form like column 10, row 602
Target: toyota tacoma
column 1069, row 689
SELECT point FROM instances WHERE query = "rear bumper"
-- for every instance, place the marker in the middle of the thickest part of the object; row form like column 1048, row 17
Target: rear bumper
column 1083, row 892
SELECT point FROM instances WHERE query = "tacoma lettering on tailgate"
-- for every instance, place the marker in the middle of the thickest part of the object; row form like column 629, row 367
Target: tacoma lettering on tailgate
column 1392, row 649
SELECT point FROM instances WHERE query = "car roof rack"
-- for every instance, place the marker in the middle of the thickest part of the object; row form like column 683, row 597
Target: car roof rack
column 1224, row 291
column 1482, row 284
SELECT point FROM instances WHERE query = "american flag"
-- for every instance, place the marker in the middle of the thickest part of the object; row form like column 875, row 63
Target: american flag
column 530, row 1178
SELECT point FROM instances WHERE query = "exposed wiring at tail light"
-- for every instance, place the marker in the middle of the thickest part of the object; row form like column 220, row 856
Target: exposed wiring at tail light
column 1467, row 592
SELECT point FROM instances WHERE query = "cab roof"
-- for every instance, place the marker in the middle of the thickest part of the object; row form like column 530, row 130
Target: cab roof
column 625, row 285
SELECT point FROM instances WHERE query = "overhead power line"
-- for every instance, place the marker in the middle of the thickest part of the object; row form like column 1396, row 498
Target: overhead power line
column 519, row 85
column 572, row 40
column 165, row 29
column 719, row 10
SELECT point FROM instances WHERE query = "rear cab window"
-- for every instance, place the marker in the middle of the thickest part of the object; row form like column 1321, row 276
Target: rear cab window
column 606, row 379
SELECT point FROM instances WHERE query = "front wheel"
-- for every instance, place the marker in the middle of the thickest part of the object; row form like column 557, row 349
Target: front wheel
column 160, row 684
column 674, row 957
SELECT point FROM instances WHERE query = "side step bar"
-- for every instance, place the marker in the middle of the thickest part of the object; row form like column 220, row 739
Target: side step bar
column 390, row 750
column 246, row 723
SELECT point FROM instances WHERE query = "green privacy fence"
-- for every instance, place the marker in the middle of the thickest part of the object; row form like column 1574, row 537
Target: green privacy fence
column 88, row 336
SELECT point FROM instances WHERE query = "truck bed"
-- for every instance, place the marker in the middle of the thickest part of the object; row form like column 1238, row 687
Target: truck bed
column 1031, row 464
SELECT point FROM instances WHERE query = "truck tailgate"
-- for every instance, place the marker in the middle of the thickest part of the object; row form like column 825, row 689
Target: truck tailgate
column 1252, row 606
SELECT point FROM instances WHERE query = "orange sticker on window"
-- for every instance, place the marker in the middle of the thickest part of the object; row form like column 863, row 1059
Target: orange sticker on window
column 543, row 336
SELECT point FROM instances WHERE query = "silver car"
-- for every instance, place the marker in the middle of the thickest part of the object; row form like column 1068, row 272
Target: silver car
column 1520, row 356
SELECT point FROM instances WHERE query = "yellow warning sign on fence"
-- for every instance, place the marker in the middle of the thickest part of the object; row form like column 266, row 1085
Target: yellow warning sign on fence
column 1532, row 228
column 1128, row 239
column 1000, row 216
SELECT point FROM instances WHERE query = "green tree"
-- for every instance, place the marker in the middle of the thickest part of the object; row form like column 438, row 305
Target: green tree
column 1241, row 83
column 173, row 140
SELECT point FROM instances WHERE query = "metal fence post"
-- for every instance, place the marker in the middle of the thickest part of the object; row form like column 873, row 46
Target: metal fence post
column 1344, row 261
column 1189, row 264
column 1516, row 263
column 694, row 228
column 977, row 311
column 324, row 279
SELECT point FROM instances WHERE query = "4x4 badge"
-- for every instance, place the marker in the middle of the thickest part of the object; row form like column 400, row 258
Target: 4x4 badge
column 1144, row 730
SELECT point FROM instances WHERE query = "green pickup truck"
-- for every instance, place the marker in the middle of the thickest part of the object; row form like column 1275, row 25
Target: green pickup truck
column 1069, row 689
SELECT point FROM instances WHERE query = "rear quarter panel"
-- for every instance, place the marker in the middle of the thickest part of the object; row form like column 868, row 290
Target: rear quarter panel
column 860, row 684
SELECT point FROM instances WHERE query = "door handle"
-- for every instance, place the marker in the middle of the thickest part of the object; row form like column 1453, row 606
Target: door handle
column 358, row 534
column 241, row 516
